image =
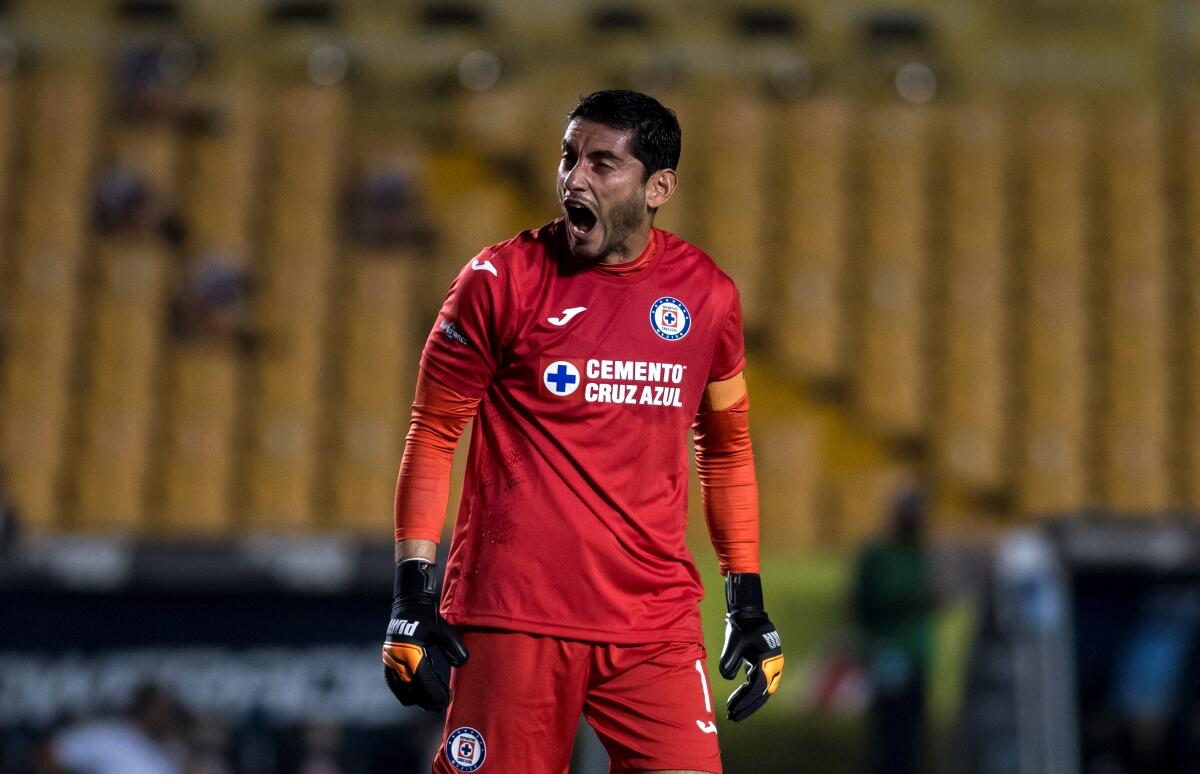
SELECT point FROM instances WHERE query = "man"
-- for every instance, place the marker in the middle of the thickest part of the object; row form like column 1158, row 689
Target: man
column 584, row 350
column 893, row 604
column 146, row 741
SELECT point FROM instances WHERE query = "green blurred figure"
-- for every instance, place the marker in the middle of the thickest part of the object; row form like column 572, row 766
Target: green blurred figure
column 893, row 608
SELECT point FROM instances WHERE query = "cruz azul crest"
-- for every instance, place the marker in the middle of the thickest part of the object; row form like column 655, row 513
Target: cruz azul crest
column 670, row 319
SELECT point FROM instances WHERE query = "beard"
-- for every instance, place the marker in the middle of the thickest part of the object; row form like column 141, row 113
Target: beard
column 617, row 224
column 624, row 219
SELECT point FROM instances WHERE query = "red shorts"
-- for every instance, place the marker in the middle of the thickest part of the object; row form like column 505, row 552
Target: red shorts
column 517, row 701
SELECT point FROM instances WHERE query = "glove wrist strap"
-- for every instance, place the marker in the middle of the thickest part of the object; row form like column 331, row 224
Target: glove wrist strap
column 743, row 592
column 415, row 576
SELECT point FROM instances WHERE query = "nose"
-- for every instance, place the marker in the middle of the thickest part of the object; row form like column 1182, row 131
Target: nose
column 574, row 178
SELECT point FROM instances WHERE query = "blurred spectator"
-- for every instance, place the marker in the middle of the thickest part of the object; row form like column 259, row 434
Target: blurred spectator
column 383, row 210
column 125, row 205
column 149, row 78
column 893, row 608
column 322, row 742
column 213, row 305
column 146, row 741
column 9, row 522
column 209, row 746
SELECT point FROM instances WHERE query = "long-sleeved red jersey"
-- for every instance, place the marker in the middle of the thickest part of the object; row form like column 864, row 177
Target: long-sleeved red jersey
column 573, row 516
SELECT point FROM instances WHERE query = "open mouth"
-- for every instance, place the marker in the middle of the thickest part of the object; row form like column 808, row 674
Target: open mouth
column 580, row 218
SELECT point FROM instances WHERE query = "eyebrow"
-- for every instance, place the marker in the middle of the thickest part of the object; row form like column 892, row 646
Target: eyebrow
column 605, row 155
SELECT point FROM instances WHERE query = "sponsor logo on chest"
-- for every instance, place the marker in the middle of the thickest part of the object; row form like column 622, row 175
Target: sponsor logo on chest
column 626, row 382
column 629, row 382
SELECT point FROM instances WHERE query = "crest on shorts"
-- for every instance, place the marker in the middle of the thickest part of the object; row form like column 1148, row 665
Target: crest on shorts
column 670, row 319
column 465, row 749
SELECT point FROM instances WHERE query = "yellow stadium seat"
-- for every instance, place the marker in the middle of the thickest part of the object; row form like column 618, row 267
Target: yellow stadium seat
column 221, row 171
column 1189, row 366
column 203, row 387
column 891, row 378
column 151, row 149
column 43, row 298
column 1052, row 454
column 305, row 133
column 971, row 420
column 201, row 410
column 1134, row 471
column 380, row 349
column 814, row 156
column 470, row 211
column 118, row 406
column 11, row 94
column 734, row 199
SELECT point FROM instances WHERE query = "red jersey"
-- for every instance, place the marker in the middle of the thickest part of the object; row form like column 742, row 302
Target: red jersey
column 573, row 515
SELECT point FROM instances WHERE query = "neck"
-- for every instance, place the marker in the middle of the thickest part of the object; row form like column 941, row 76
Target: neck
column 630, row 249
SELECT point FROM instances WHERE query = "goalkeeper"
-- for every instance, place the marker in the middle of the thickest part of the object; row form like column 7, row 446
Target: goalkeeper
column 585, row 351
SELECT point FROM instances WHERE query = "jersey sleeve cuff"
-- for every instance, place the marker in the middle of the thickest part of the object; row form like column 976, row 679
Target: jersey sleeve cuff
column 410, row 533
column 721, row 376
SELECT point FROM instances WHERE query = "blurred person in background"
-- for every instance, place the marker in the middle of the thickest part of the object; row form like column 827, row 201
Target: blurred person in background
column 147, row 740
column 148, row 79
column 209, row 743
column 893, row 609
column 126, row 206
column 9, row 519
column 124, row 203
column 322, row 742
column 382, row 209
column 585, row 351
column 214, row 303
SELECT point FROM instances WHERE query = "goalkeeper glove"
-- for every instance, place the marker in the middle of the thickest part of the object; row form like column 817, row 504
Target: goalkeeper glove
column 416, row 626
column 750, row 637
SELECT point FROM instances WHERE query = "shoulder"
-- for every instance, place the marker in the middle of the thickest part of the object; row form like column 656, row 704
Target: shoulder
column 698, row 264
column 511, row 260
column 498, row 272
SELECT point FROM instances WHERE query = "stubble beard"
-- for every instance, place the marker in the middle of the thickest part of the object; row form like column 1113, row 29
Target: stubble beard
column 624, row 220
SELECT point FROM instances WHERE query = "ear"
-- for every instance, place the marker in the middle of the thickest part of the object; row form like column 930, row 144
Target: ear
column 659, row 188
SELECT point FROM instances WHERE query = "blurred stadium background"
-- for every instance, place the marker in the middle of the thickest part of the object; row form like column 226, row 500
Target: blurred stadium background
column 966, row 236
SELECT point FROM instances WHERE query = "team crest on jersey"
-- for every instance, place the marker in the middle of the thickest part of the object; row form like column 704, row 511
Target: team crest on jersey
column 465, row 749
column 670, row 319
column 561, row 378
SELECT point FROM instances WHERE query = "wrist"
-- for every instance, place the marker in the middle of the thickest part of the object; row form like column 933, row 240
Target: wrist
column 743, row 592
column 414, row 576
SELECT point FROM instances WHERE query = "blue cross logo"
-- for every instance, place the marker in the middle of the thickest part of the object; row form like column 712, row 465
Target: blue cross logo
column 561, row 378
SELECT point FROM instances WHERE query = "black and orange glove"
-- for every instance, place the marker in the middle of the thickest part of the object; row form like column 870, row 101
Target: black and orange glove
column 415, row 628
column 750, row 637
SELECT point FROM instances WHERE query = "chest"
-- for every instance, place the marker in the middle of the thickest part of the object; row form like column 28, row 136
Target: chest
column 653, row 320
column 647, row 344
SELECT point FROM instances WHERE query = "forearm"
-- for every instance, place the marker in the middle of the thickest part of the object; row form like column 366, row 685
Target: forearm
column 728, row 485
column 439, row 417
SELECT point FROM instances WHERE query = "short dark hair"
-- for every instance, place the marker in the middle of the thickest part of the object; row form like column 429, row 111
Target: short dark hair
column 656, row 133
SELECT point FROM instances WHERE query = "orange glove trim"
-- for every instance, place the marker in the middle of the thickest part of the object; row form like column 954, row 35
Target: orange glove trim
column 404, row 658
column 773, row 670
